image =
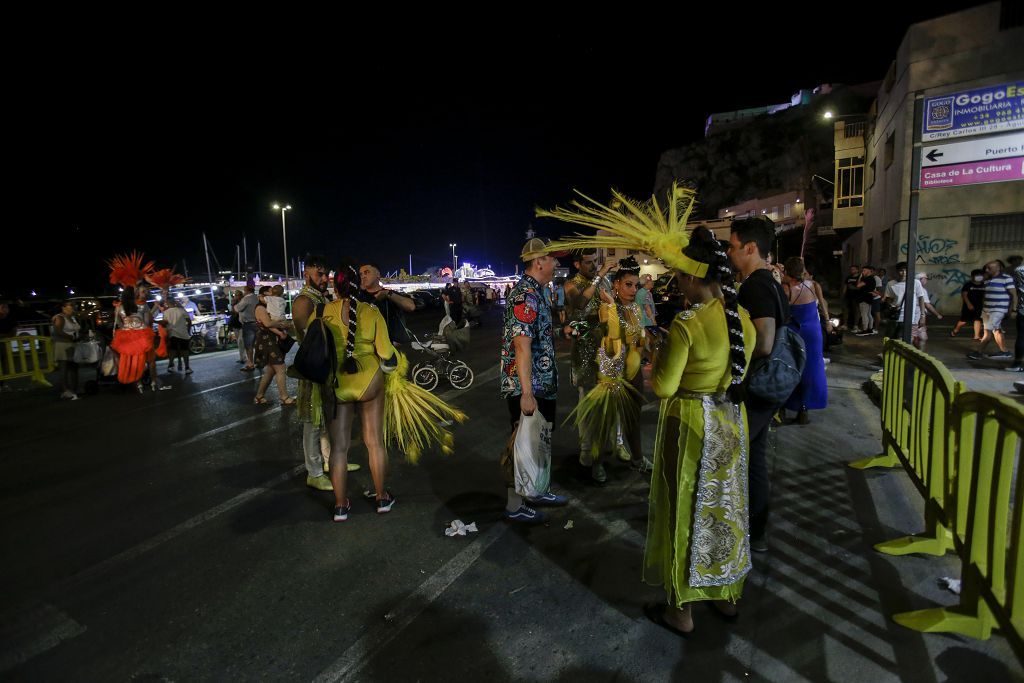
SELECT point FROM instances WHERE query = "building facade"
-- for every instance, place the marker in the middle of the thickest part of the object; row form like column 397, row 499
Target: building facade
column 961, row 227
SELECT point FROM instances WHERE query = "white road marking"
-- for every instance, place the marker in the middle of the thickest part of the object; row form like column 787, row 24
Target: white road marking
column 348, row 666
column 223, row 428
column 32, row 631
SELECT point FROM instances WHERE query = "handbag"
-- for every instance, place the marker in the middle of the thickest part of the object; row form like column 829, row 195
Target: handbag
column 891, row 312
column 108, row 366
column 286, row 344
column 234, row 322
column 772, row 379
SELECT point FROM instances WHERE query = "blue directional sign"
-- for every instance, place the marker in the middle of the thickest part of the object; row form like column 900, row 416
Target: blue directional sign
column 974, row 112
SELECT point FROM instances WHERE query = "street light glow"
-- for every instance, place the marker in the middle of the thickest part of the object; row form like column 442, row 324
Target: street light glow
column 827, row 114
column 276, row 207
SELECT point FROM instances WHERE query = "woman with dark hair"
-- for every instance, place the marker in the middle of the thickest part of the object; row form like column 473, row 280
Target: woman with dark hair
column 812, row 392
column 697, row 537
column 267, row 354
column 610, row 411
column 66, row 329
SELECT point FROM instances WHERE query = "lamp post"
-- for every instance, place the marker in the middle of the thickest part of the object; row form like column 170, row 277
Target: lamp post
column 284, row 237
column 455, row 259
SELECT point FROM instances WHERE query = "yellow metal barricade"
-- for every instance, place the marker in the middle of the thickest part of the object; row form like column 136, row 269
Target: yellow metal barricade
column 26, row 356
column 917, row 402
column 988, row 516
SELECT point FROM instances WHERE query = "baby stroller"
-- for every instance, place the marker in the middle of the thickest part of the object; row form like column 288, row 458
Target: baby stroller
column 427, row 373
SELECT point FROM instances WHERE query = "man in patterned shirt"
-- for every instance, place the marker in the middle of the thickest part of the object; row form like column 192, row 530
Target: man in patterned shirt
column 529, row 377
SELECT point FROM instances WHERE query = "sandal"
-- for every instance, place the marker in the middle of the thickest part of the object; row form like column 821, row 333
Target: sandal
column 656, row 613
column 288, row 401
column 259, row 400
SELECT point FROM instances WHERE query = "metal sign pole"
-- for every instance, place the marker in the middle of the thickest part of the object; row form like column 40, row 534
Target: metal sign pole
column 909, row 300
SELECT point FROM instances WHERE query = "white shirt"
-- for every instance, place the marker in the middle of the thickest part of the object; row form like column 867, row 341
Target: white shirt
column 177, row 322
column 894, row 291
column 275, row 307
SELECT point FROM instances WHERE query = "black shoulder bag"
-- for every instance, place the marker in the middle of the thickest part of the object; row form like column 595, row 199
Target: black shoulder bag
column 772, row 379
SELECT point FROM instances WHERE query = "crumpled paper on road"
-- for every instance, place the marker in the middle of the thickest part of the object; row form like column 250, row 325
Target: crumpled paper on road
column 458, row 528
column 950, row 584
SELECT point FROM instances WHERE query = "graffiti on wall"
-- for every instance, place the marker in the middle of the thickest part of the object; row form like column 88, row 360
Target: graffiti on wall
column 944, row 287
column 935, row 250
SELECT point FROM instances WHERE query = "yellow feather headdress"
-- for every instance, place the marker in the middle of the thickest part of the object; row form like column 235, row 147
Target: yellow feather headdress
column 631, row 224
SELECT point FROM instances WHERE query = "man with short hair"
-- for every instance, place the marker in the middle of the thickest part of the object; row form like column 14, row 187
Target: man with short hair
column 178, row 323
column 583, row 304
column 310, row 396
column 529, row 375
column 869, row 299
column 1017, row 272
column 645, row 300
column 849, row 296
column 393, row 305
column 1000, row 302
column 749, row 243
column 246, row 310
column 895, row 293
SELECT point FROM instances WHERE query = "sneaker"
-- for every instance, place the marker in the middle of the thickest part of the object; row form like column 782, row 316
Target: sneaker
column 164, row 387
column 68, row 395
column 865, row 333
column 341, row 513
column 188, row 371
column 598, row 474
column 1002, row 355
column 623, row 453
column 524, row 514
column 321, row 483
column 1014, row 368
column 170, row 369
column 384, row 504
column 973, row 355
column 827, row 360
column 548, row 499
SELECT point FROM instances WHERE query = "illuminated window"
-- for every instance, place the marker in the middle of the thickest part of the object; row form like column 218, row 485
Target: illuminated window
column 787, row 211
column 849, row 182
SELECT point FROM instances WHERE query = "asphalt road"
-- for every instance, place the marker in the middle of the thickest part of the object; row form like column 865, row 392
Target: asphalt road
column 171, row 537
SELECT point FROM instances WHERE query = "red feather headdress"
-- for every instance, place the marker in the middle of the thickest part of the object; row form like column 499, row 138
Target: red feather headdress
column 165, row 278
column 127, row 270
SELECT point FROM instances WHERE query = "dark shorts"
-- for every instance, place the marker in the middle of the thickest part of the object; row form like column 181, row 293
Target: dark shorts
column 176, row 344
column 249, row 334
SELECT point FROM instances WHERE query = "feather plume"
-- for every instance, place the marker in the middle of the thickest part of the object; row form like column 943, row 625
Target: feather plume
column 628, row 223
column 164, row 278
column 127, row 270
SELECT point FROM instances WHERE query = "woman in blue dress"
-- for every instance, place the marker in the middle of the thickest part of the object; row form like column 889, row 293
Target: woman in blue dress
column 812, row 392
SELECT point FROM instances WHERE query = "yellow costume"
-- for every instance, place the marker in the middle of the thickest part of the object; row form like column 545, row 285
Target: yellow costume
column 372, row 345
column 612, row 408
column 414, row 418
column 697, row 544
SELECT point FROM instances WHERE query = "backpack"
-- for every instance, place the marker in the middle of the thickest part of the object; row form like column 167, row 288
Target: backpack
column 316, row 359
column 772, row 379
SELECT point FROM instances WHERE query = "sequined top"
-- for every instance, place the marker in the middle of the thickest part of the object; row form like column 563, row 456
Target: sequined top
column 584, row 347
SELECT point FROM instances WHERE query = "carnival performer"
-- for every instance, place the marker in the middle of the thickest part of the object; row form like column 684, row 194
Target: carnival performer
column 697, row 544
column 133, row 337
column 582, row 303
column 611, row 410
column 371, row 375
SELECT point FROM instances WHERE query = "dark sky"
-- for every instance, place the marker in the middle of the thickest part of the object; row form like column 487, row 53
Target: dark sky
column 386, row 140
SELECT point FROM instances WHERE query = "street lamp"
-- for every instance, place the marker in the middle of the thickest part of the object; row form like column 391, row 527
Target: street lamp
column 284, row 237
column 455, row 259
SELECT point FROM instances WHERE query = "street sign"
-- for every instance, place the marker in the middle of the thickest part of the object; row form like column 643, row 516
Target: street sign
column 973, row 173
column 974, row 112
column 998, row 147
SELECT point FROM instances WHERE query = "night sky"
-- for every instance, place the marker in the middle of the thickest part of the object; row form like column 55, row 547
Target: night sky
column 386, row 141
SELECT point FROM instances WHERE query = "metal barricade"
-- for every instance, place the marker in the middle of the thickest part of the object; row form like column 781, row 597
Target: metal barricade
column 917, row 402
column 26, row 356
column 988, row 519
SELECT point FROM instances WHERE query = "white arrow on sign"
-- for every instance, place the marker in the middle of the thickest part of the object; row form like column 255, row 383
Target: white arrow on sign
column 999, row 147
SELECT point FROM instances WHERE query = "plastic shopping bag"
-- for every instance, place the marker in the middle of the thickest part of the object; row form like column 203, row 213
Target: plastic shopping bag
column 87, row 352
column 108, row 367
column 533, row 455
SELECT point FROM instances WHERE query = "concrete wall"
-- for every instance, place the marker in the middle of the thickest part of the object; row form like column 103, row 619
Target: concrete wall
column 957, row 52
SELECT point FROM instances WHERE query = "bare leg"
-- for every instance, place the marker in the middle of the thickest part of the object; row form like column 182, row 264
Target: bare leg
column 977, row 329
column 264, row 381
column 996, row 334
column 341, row 439
column 372, row 408
column 282, row 389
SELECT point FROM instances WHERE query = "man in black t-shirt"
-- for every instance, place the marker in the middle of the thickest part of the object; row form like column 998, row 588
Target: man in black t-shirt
column 393, row 305
column 766, row 302
column 850, row 302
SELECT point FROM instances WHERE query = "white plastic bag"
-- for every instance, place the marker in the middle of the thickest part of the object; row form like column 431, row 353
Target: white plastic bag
column 87, row 352
column 108, row 368
column 533, row 455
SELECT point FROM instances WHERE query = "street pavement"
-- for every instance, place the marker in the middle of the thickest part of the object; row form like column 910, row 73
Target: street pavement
column 171, row 536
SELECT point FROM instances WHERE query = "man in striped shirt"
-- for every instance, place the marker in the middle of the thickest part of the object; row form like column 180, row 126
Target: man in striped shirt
column 1000, row 300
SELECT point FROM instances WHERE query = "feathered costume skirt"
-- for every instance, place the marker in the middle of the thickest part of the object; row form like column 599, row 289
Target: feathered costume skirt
column 414, row 419
column 133, row 347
